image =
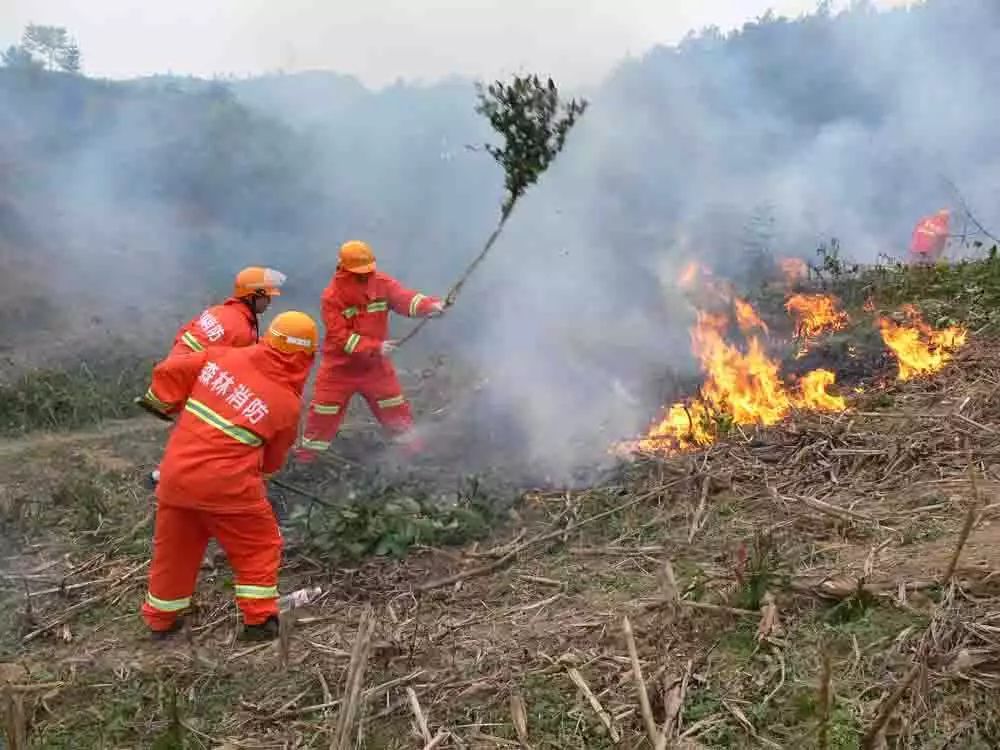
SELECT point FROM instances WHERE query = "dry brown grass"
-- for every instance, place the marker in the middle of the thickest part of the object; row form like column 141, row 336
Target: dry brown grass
column 783, row 589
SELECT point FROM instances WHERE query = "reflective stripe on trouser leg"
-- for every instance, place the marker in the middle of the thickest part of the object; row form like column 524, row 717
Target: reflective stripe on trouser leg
column 322, row 422
column 393, row 413
column 168, row 605
column 179, row 541
column 385, row 398
column 252, row 543
column 255, row 592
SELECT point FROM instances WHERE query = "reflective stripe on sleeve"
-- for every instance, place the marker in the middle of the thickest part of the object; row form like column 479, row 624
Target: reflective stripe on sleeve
column 192, row 343
column 415, row 303
column 352, row 343
column 151, row 397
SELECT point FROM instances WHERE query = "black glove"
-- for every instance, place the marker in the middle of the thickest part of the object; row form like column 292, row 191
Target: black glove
column 276, row 497
column 142, row 402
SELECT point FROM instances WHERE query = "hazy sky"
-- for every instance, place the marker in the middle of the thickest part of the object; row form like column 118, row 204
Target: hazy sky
column 576, row 41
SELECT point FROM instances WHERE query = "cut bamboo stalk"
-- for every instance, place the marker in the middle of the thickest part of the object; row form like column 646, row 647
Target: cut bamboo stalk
column 656, row 739
column 602, row 714
column 352, row 684
column 887, row 707
column 963, row 537
column 418, row 715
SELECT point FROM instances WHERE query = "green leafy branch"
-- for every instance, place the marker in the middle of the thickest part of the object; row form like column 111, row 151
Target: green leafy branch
column 533, row 122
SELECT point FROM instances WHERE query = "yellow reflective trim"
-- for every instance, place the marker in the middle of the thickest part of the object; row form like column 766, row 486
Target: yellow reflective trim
column 193, row 343
column 256, row 592
column 315, row 445
column 326, row 408
column 415, row 303
column 168, row 605
column 151, row 397
column 350, row 312
column 352, row 343
column 222, row 424
column 388, row 403
column 378, row 306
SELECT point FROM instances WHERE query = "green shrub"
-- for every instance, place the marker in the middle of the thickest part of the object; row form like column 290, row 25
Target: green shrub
column 59, row 399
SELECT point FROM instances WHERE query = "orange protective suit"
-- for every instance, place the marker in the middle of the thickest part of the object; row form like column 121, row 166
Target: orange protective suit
column 233, row 323
column 930, row 237
column 356, row 316
column 238, row 416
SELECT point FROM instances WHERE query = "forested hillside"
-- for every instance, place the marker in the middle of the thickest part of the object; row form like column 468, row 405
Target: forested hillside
column 134, row 199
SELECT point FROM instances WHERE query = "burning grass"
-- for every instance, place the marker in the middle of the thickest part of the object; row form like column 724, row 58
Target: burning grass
column 919, row 349
column 740, row 388
column 745, row 386
column 816, row 314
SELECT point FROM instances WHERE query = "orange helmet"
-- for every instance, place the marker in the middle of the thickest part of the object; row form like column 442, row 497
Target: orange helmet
column 292, row 332
column 357, row 257
column 255, row 280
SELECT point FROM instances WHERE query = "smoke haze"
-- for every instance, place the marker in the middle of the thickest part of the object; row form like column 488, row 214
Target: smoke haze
column 778, row 136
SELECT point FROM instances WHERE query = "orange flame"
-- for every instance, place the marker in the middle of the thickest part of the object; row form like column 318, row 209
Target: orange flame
column 918, row 348
column 793, row 269
column 814, row 395
column 689, row 274
column 742, row 388
column 745, row 386
column 698, row 281
column 747, row 317
column 683, row 428
column 815, row 314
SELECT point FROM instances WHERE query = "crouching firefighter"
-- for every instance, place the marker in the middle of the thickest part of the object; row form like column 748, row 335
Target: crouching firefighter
column 355, row 359
column 237, row 417
column 233, row 323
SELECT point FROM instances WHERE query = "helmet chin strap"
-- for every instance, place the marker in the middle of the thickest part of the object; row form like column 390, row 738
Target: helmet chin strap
column 251, row 302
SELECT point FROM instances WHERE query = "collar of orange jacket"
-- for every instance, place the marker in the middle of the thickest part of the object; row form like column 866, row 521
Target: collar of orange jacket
column 242, row 303
column 343, row 276
column 290, row 368
column 353, row 283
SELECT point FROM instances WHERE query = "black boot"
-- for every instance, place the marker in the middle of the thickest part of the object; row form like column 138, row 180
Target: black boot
column 265, row 631
column 163, row 635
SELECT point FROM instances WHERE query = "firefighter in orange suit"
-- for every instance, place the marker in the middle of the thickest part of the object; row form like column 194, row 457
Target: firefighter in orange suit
column 237, row 416
column 356, row 307
column 930, row 237
column 233, row 323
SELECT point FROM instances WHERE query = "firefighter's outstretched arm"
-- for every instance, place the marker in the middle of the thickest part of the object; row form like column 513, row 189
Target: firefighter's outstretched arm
column 173, row 379
column 413, row 304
